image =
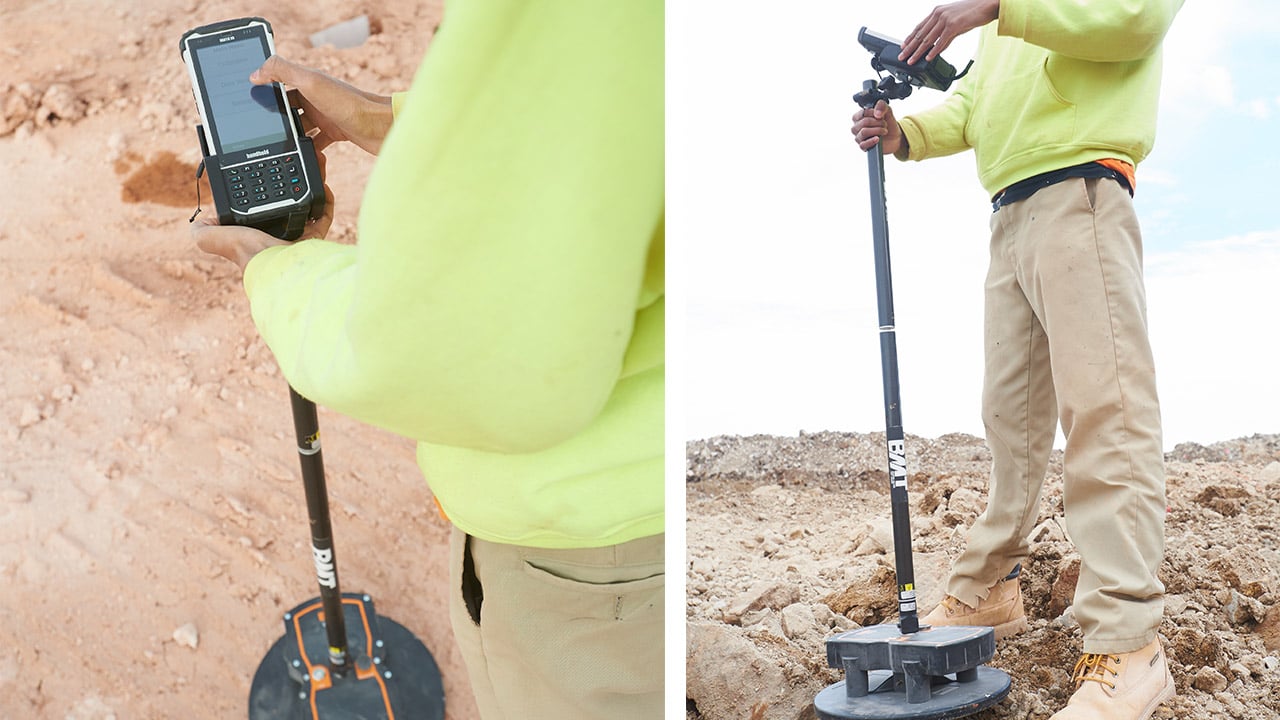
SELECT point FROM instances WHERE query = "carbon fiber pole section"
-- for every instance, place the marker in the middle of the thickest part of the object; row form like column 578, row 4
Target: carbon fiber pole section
column 908, row 621
column 307, row 427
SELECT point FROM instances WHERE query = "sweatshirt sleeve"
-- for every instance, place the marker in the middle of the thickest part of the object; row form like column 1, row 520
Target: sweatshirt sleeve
column 503, row 239
column 940, row 130
column 1100, row 30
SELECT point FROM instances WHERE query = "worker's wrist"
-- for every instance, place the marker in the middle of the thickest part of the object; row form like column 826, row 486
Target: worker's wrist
column 904, row 148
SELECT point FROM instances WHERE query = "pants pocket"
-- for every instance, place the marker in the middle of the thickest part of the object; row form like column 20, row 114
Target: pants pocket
column 1091, row 193
column 612, row 592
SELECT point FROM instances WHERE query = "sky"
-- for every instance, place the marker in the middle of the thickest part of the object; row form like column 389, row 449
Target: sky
column 773, row 314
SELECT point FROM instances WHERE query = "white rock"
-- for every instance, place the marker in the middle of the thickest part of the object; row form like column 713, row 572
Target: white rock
column 702, row 566
column 1047, row 531
column 187, row 635
column 763, row 595
column 1067, row 619
column 60, row 101
column 1270, row 472
column 798, row 621
column 1209, row 680
column 91, row 708
column 16, row 105
column 879, row 540
column 967, row 501
column 30, row 415
column 15, row 496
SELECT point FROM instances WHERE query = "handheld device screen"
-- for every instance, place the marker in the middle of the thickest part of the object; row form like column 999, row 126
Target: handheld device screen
column 244, row 115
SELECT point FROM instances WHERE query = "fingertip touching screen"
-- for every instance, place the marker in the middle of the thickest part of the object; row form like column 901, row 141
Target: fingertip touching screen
column 244, row 115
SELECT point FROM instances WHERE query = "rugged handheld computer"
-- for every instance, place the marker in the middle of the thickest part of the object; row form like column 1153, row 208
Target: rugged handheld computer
column 262, row 167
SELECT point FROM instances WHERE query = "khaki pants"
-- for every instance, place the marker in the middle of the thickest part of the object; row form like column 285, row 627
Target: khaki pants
column 1066, row 339
column 560, row 634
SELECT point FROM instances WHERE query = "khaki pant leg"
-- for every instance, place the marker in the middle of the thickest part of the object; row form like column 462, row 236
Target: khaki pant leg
column 1081, row 259
column 567, row 634
column 466, row 630
column 1019, row 413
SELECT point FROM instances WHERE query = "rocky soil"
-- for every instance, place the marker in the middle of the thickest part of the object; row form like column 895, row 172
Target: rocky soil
column 789, row 542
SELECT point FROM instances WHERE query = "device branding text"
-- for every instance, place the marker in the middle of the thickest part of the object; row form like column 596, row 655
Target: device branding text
column 258, row 153
column 897, row 463
column 325, row 573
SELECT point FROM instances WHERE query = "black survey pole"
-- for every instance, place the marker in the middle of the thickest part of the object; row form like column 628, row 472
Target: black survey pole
column 319, row 671
column 894, row 672
column 908, row 622
column 307, row 427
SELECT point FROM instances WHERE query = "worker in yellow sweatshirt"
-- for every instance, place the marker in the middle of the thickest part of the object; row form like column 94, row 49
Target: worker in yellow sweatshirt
column 1060, row 107
column 504, row 307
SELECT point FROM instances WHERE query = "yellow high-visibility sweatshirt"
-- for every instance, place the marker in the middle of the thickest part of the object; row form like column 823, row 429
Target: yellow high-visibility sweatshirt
column 1055, row 83
column 504, row 302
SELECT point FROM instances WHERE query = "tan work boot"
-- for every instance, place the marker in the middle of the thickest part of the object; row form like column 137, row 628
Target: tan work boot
column 1001, row 610
column 1128, row 686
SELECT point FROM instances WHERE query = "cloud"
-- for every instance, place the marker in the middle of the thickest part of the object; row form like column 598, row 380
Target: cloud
column 1257, row 108
column 1203, row 53
column 1253, row 253
column 1158, row 176
column 1211, row 311
column 1194, row 88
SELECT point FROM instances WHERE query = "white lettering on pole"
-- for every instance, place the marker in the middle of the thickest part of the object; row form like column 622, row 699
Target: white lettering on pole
column 897, row 463
column 325, row 573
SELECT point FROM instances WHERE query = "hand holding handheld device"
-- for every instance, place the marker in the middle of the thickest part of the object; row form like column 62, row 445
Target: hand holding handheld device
column 936, row 74
column 263, row 169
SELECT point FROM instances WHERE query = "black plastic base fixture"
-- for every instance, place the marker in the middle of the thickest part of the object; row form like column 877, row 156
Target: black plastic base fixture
column 390, row 674
column 934, row 673
column 951, row 699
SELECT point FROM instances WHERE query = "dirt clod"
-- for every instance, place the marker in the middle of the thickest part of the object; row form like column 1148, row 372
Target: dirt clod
column 164, row 180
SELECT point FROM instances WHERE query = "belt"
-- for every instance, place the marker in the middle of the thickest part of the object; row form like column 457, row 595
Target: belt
column 1024, row 189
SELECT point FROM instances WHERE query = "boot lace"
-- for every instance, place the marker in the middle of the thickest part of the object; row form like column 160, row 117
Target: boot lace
column 953, row 605
column 1092, row 667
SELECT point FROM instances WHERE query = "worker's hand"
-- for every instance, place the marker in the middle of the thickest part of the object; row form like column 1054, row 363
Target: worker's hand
column 338, row 110
column 947, row 22
column 240, row 243
column 877, row 125
column 237, row 243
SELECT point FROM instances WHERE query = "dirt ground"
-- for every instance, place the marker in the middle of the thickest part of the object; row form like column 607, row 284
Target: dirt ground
column 149, row 485
column 789, row 542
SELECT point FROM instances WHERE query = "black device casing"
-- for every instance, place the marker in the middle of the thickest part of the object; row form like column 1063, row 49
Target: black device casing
column 935, row 74
column 286, row 223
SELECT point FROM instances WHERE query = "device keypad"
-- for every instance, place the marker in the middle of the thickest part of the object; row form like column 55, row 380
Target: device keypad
column 264, row 182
